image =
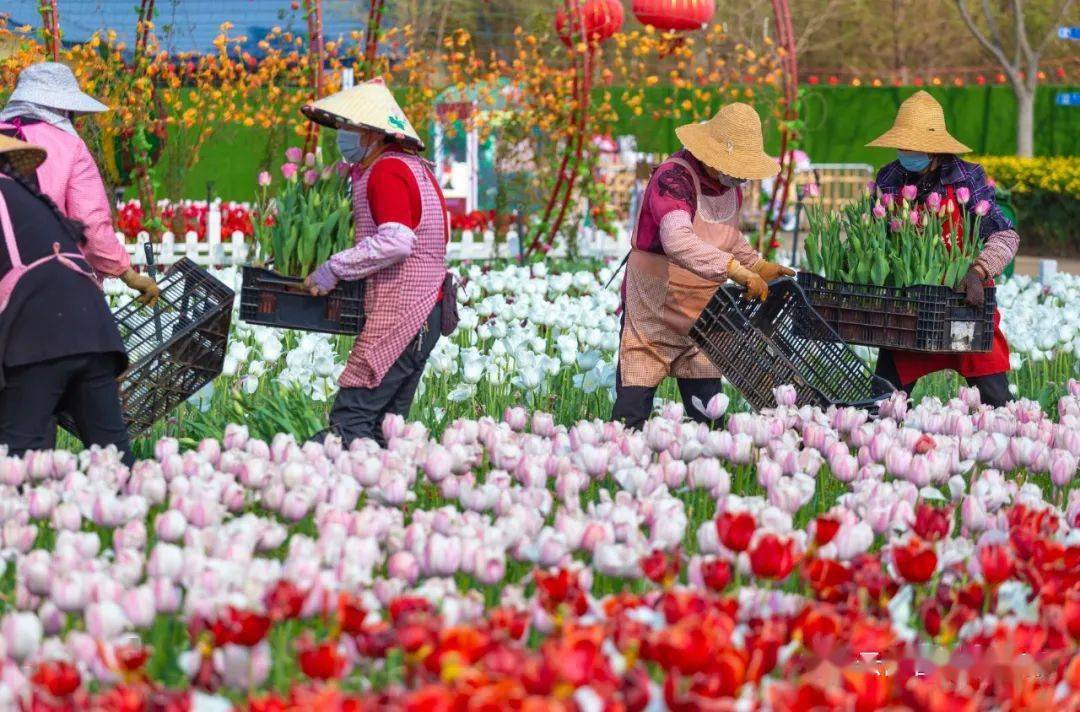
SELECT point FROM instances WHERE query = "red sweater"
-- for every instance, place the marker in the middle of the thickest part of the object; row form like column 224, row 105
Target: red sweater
column 393, row 194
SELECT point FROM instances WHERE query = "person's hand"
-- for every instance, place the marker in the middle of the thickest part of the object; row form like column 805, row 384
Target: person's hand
column 770, row 270
column 148, row 289
column 321, row 281
column 756, row 287
column 972, row 286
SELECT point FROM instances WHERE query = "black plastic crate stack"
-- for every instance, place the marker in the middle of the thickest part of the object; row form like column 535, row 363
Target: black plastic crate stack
column 270, row 299
column 759, row 346
column 174, row 348
column 924, row 317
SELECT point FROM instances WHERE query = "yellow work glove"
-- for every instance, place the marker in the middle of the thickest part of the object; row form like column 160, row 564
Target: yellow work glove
column 147, row 287
column 756, row 287
column 770, row 270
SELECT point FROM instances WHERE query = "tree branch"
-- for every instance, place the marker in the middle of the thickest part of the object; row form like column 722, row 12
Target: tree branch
column 1062, row 11
column 994, row 48
column 1021, row 32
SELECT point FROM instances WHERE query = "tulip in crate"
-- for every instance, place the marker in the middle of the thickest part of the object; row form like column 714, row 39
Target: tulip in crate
column 309, row 219
column 882, row 274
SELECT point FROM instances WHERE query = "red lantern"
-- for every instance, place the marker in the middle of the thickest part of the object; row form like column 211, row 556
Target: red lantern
column 602, row 19
column 674, row 15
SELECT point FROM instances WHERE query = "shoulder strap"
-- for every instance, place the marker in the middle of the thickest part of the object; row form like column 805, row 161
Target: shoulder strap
column 9, row 232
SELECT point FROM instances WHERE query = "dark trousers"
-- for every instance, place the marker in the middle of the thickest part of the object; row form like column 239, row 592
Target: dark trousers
column 993, row 389
column 633, row 404
column 359, row 412
column 83, row 385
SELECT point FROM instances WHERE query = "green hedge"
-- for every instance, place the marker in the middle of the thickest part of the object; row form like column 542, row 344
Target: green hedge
column 839, row 122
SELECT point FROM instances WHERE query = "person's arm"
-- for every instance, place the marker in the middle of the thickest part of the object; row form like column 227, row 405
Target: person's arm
column 683, row 247
column 394, row 199
column 1000, row 239
column 88, row 203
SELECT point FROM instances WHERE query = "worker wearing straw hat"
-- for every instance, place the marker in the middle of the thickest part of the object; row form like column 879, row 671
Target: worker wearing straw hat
column 927, row 165
column 685, row 244
column 60, row 348
column 40, row 109
column 401, row 235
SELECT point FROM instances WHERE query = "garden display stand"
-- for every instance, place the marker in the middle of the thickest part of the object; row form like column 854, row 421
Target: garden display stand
column 762, row 345
column 271, row 299
column 927, row 318
column 174, row 348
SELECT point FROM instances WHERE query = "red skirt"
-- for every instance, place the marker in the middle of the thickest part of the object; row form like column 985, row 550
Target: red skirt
column 913, row 365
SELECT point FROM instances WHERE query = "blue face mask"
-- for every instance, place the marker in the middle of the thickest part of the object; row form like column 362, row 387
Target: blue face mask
column 914, row 161
column 351, row 147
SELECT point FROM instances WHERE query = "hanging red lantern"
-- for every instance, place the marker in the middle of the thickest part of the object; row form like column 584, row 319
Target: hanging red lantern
column 674, row 15
column 601, row 18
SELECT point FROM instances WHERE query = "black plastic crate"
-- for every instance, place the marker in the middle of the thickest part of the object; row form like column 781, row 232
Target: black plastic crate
column 925, row 317
column 759, row 346
column 272, row 299
column 174, row 348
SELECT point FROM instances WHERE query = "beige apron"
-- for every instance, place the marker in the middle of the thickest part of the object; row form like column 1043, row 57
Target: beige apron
column 662, row 300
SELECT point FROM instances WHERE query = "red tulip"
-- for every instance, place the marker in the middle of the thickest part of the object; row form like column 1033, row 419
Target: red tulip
column 716, row 573
column 270, row 703
column 925, row 443
column 510, row 621
column 131, row 658
column 734, row 529
column 932, row 523
column 826, row 577
column 996, row 563
column 351, row 614
column 321, row 662
column 57, row 677
column 825, row 528
column 244, row 628
column 284, row 601
column 915, row 561
column 404, row 606
column 661, row 567
column 772, row 557
column 1071, row 612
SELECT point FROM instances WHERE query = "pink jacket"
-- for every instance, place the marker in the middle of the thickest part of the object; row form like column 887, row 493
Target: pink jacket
column 70, row 177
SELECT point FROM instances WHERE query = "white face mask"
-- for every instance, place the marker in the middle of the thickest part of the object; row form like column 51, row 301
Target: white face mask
column 352, row 146
column 730, row 182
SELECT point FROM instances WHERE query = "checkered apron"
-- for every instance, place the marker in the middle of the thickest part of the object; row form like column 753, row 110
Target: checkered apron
column 662, row 300
column 398, row 299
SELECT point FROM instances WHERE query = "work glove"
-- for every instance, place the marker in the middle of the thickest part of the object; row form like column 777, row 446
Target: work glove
column 756, row 287
column 770, row 270
column 321, row 281
column 972, row 286
column 148, row 289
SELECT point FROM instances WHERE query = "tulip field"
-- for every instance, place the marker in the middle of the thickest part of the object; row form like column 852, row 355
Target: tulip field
column 510, row 549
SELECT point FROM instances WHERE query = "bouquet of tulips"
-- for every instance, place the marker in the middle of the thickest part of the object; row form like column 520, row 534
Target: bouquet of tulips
column 312, row 215
column 889, row 240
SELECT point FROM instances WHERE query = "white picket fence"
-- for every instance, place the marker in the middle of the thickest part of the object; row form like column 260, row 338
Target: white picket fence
column 236, row 250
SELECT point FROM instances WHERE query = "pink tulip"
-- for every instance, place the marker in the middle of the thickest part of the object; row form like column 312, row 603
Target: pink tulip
column 403, row 565
column 293, row 154
column 879, row 211
column 309, row 160
column 913, row 217
column 442, row 555
column 963, row 195
column 887, row 199
column 264, row 178
column 166, row 561
column 138, row 606
column 982, row 208
column 490, row 566
column 853, row 539
column 933, row 201
column 707, row 473
column 69, row 593
column 170, row 525
column 311, row 176
column 973, row 514
column 242, row 668
column 288, row 170
column 768, row 472
column 715, row 408
column 12, row 471
column 393, row 426
column 105, row 620
column 895, row 225
column 813, row 190
column 543, row 424
column 785, row 395
column 909, row 192
column 1062, row 467
column 22, row 633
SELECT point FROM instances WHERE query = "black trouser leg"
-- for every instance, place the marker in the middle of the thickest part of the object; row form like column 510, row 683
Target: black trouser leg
column 886, row 369
column 84, row 385
column 704, row 389
column 359, row 412
column 28, row 400
column 633, row 404
column 93, row 399
column 993, row 389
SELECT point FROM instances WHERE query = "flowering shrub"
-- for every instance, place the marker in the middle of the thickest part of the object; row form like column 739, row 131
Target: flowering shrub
column 1058, row 174
column 794, row 555
column 185, row 216
column 476, row 221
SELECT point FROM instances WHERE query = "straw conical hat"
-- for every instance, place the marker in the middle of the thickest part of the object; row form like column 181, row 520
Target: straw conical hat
column 366, row 106
column 730, row 142
column 920, row 126
column 23, row 157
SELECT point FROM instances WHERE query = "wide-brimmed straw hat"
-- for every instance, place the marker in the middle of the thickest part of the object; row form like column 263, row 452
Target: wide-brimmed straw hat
column 365, row 106
column 730, row 142
column 21, row 156
column 920, row 126
column 53, row 85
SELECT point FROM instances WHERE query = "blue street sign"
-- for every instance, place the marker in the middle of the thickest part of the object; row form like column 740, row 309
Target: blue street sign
column 1068, row 98
column 1069, row 33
